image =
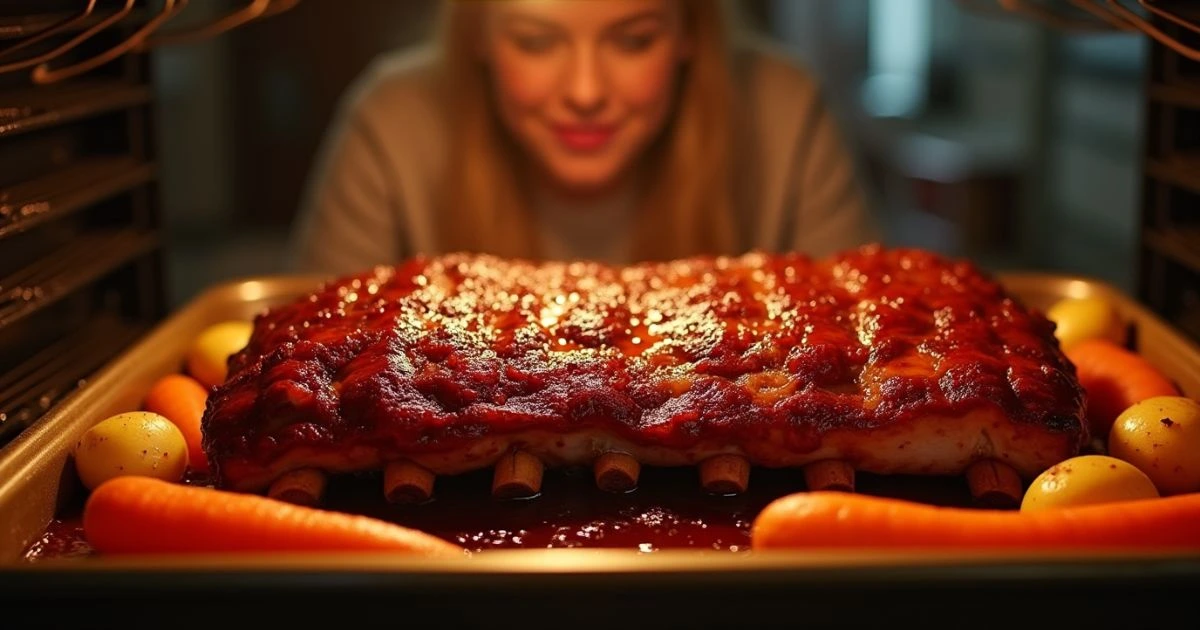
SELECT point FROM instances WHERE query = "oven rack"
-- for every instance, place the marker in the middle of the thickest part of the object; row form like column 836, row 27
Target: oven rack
column 81, row 241
column 1168, row 279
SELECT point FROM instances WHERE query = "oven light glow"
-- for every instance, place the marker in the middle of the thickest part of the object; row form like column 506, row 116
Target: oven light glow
column 1078, row 289
column 252, row 291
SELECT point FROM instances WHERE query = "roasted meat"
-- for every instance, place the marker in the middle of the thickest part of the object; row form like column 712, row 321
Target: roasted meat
column 893, row 360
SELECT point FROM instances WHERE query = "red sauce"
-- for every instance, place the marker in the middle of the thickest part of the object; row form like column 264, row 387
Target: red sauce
column 63, row 538
column 667, row 511
column 435, row 353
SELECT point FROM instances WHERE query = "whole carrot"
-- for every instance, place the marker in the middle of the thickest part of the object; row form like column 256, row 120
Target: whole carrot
column 814, row 520
column 1114, row 379
column 181, row 399
column 141, row 515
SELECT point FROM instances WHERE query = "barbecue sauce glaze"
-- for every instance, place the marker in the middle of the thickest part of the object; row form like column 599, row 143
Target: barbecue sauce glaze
column 436, row 353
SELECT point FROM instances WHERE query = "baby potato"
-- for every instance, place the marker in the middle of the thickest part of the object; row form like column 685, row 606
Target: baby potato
column 1077, row 319
column 136, row 443
column 1087, row 479
column 1161, row 436
column 208, row 356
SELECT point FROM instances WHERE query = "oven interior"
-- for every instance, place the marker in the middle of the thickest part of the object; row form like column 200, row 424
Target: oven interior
column 109, row 166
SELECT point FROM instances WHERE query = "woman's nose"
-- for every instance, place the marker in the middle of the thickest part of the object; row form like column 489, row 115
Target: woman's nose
column 586, row 90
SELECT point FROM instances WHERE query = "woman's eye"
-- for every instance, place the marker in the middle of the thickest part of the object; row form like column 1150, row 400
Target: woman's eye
column 634, row 43
column 534, row 43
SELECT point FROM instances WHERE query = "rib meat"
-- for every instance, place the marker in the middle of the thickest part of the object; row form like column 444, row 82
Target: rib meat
column 894, row 360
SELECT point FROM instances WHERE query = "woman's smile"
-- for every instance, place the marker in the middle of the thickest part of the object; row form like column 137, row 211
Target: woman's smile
column 584, row 137
column 584, row 87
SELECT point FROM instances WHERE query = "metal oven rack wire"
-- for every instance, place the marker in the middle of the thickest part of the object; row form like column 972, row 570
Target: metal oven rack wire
column 1170, row 223
column 1169, row 227
column 81, row 252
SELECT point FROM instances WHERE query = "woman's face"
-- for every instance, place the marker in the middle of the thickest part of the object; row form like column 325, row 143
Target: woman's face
column 583, row 85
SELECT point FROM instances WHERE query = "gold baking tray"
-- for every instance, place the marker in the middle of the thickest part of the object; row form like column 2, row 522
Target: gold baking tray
column 36, row 478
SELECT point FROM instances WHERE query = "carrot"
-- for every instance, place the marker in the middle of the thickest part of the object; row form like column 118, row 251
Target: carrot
column 142, row 515
column 833, row 519
column 181, row 399
column 1114, row 379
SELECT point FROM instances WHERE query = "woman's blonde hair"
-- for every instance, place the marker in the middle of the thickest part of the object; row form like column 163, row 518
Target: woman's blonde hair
column 688, row 205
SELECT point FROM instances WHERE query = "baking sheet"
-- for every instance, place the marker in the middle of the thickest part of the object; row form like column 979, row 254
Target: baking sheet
column 35, row 476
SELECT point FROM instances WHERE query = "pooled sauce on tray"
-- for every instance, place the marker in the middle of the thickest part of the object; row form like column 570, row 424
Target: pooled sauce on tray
column 63, row 539
column 668, row 511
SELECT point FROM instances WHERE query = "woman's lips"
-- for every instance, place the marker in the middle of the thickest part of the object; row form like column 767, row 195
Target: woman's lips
column 584, row 137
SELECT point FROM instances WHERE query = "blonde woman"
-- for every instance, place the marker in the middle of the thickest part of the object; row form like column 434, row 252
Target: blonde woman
column 616, row 131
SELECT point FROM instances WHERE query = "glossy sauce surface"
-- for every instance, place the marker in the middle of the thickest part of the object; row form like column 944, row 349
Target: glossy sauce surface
column 435, row 353
column 668, row 511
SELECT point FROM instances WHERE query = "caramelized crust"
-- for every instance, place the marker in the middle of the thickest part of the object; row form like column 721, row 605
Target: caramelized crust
column 898, row 361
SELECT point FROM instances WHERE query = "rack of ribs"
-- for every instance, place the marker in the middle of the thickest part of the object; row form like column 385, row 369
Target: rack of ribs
column 889, row 361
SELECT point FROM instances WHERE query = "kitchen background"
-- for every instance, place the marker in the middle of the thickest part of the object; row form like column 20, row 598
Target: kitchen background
column 980, row 134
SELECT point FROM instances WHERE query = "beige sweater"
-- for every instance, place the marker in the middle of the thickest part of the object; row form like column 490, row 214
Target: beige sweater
column 374, row 191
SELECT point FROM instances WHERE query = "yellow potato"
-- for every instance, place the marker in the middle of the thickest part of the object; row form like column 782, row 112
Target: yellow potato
column 208, row 356
column 1087, row 479
column 136, row 443
column 1161, row 436
column 1077, row 319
